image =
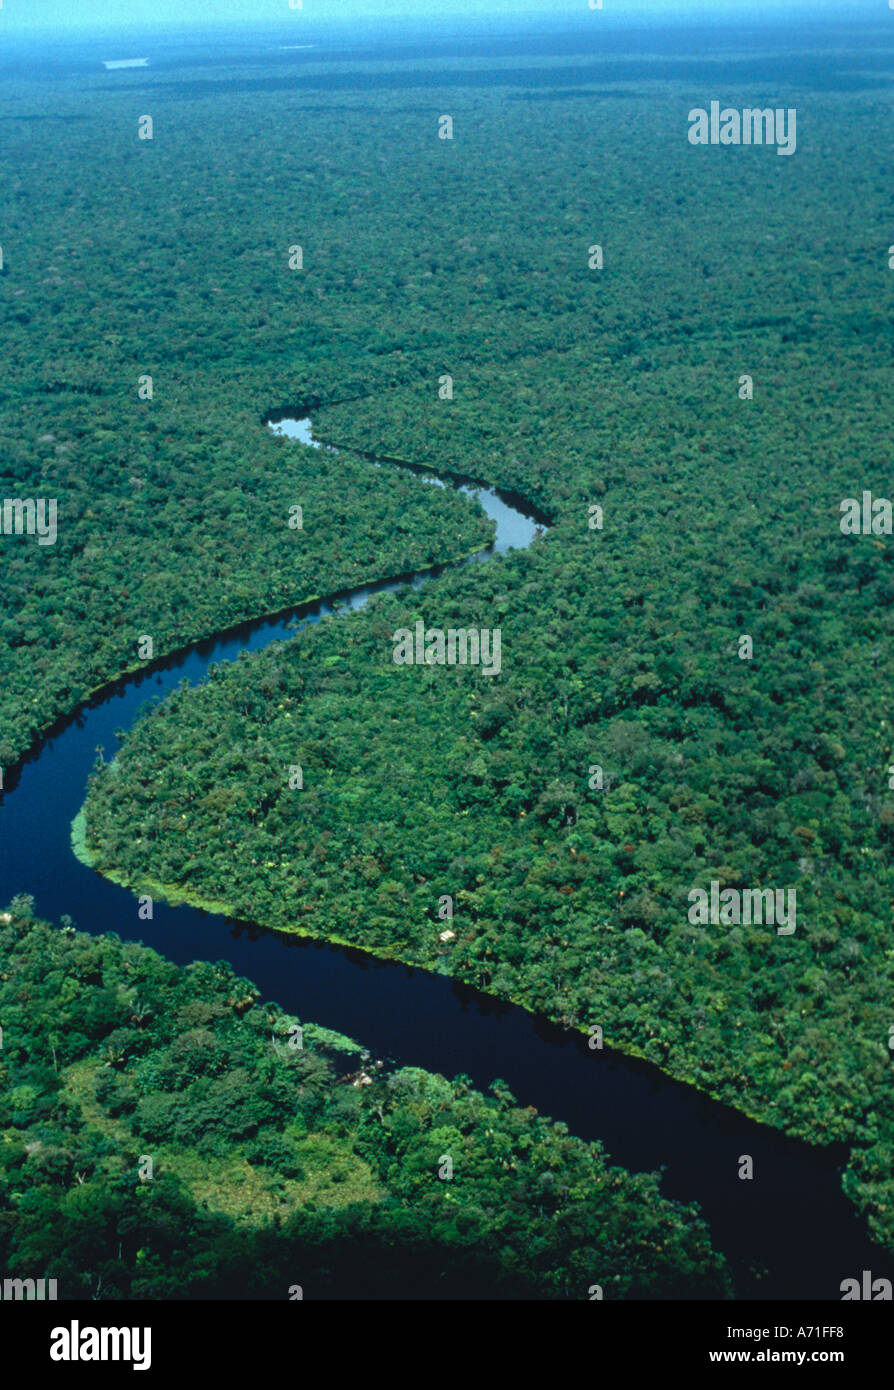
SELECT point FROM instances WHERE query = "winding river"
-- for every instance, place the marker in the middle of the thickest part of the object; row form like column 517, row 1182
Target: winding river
column 789, row 1233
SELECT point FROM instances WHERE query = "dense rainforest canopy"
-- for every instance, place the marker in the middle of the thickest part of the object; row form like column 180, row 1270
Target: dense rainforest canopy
column 621, row 387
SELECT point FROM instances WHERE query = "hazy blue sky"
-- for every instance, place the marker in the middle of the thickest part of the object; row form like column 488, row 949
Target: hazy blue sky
column 19, row 15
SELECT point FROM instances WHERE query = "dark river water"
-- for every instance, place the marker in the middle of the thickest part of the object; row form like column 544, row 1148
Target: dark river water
column 789, row 1233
